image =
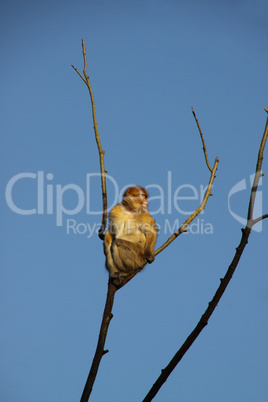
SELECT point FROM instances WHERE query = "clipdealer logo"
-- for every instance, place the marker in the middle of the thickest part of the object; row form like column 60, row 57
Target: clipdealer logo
column 51, row 200
column 51, row 197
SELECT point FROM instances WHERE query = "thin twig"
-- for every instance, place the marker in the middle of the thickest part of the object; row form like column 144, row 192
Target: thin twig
column 97, row 137
column 203, row 142
column 223, row 285
column 80, row 75
column 260, row 218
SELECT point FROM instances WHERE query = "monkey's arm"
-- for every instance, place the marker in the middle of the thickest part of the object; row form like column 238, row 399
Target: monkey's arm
column 150, row 231
column 108, row 239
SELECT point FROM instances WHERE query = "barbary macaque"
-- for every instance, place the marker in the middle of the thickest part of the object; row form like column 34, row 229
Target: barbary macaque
column 129, row 242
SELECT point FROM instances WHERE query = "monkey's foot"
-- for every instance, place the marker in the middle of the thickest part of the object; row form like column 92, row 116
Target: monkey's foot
column 117, row 279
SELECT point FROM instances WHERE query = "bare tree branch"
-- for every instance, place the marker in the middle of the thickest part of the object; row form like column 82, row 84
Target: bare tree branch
column 97, row 137
column 223, row 285
column 183, row 227
column 257, row 176
column 107, row 316
column 195, row 213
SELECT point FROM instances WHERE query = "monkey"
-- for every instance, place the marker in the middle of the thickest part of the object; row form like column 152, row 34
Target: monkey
column 130, row 239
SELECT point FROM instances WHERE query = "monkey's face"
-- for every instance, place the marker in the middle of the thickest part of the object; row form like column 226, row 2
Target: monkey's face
column 135, row 199
column 143, row 202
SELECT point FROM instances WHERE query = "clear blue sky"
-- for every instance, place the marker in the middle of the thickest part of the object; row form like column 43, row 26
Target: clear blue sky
column 149, row 62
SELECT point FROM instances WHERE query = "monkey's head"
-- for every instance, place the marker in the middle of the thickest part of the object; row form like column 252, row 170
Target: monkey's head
column 135, row 199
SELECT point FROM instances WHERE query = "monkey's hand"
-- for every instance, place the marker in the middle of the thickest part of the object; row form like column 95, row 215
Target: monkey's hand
column 149, row 257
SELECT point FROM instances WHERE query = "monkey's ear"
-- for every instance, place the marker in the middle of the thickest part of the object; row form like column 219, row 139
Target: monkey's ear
column 131, row 192
column 127, row 193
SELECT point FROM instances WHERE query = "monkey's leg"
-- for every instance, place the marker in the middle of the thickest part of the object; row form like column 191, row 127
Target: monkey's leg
column 128, row 256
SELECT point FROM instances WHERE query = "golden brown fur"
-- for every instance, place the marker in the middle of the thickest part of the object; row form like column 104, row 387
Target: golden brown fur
column 129, row 242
